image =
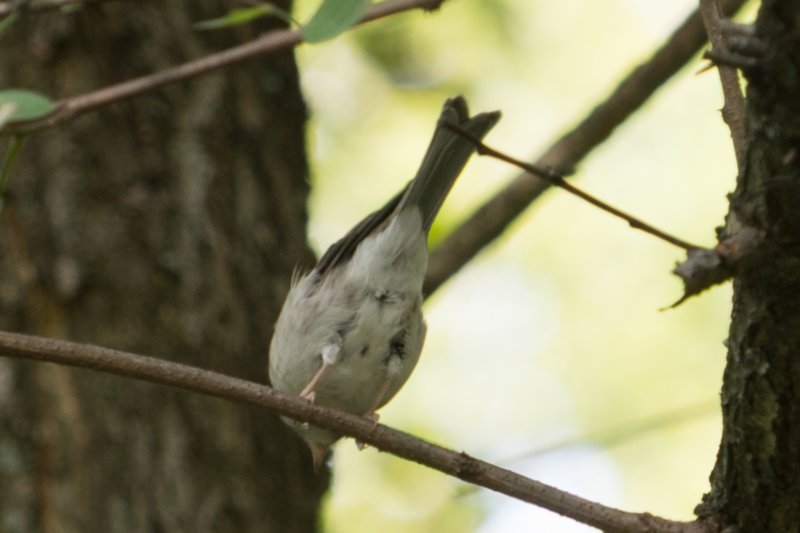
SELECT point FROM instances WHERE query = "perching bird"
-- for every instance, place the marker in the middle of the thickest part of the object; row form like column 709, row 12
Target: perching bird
column 351, row 330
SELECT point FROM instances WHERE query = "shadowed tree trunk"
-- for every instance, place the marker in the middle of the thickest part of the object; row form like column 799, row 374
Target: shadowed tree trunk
column 166, row 225
column 756, row 480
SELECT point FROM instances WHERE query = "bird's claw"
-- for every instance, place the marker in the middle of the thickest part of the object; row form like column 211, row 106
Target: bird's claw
column 374, row 418
column 308, row 394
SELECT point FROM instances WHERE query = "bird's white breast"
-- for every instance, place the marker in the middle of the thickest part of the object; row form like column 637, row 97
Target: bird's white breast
column 371, row 306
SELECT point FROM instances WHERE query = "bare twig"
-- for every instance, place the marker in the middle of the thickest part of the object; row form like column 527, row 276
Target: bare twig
column 271, row 42
column 610, row 437
column 623, row 433
column 492, row 218
column 382, row 437
column 557, row 180
column 706, row 268
column 733, row 111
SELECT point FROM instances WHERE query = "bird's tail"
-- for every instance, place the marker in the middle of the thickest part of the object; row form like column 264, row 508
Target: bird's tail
column 447, row 154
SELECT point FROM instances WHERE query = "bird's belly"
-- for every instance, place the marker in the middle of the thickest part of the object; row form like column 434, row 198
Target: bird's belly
column 377, row 357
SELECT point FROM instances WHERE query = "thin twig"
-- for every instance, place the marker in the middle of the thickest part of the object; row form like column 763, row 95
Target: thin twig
column 490, row 220
column 610, row 437
column 556, row 179
column 733, row 111
column 614, row 436
column 271, row 42
column 365, row 430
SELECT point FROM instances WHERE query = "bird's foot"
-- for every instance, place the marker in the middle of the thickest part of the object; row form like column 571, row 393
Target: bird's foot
column 374, row 418
column 330, row 356
column 308, row 394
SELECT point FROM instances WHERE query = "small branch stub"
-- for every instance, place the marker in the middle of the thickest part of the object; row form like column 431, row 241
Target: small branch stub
column 705, row 268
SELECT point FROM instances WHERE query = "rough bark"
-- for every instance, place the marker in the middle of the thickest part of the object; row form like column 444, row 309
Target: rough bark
column 756, row 480
column 167, row 225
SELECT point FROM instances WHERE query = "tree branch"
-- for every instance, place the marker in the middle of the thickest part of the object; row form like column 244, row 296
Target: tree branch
column 739, row 244
column 490, row 220
column 733, row 111
column 703, row 267
column 365, row 430
column 557, row 180
column 271, row 42
column 612, row 436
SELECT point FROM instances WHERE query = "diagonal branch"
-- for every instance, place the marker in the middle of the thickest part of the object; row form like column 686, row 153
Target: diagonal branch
column 382, row 437
column 557, row 180
column 489, row 221
column 703, row 267
column 268, row 43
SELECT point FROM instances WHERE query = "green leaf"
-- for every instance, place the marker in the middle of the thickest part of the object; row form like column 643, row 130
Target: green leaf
column 244, row 15
column 332, row 18
column 18, row 104
column 8, row 20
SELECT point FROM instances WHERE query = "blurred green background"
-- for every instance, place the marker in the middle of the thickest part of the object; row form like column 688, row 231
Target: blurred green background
column 554, row 334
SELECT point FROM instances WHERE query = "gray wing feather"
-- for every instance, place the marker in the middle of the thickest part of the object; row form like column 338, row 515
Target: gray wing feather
column 343, row 249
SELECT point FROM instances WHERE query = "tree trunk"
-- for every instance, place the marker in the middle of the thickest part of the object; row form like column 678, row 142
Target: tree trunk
column 756, row 480
column 166, row 225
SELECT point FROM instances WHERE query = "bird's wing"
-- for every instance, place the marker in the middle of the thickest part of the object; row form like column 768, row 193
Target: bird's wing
column 343, row 249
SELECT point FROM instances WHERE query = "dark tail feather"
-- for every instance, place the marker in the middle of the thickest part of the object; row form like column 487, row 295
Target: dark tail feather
column 446, row 156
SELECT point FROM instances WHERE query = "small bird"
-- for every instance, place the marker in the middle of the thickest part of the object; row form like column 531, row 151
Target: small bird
column 351, row 330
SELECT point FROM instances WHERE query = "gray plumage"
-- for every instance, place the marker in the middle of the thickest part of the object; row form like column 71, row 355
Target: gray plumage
column 351, row 330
